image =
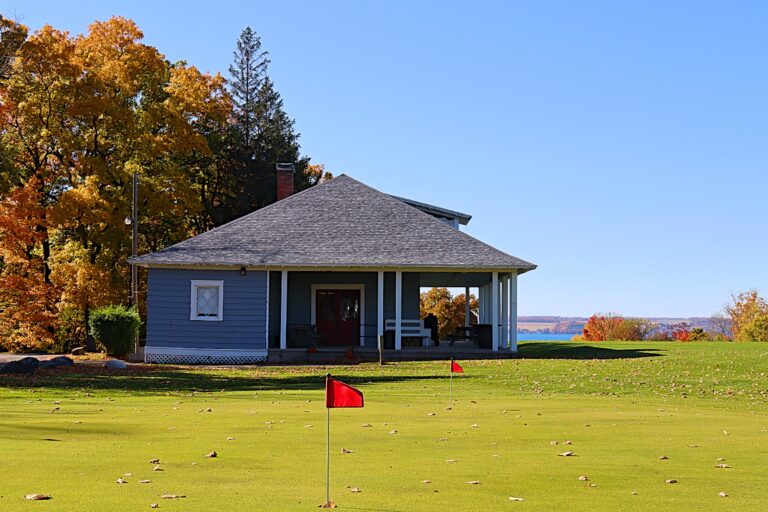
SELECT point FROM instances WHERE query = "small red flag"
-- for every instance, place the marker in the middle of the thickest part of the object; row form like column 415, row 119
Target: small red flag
column 456, row 367
column 338, row 394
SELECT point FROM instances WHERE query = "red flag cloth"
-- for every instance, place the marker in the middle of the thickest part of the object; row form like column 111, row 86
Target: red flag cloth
column 455, row 367
column 338, row 394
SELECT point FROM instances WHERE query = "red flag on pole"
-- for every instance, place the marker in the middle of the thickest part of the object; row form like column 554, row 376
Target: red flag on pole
column 338, row 394
column 455, row 367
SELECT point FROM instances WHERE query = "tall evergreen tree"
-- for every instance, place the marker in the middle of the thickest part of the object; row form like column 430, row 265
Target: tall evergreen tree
column 261, row 135
column 248, row 72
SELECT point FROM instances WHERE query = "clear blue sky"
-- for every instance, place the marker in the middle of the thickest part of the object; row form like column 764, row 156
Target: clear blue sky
column 621, row 146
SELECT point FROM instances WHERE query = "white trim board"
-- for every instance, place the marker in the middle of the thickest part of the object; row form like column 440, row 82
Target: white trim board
column 203, row 351
column 322, row 286
column 266, row 319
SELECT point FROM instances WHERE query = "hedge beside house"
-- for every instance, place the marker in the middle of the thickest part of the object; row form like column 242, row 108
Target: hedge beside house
column 115, row 327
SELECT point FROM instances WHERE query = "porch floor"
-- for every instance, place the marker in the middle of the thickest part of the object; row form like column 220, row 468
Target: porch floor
column 340, row 354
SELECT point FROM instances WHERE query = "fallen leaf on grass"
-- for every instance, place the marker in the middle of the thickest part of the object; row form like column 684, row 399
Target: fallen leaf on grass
column 475, row 425
column 366, row 425
column 154, row 505
column 426, row 481
column 671, row 481
column 565, row 454
column 172, row 496
column 722, row 466
column 154, row 461
column 451, row 461
column 723, row 494
column 157, row 468
column 145, row 481
column 120, row 481
column 512, row 498
column 37, row 497
column 663, row 457
column 355, row 490
column 474, row 482
column 212, row 455
column 393, row 431
column 345, row 450
column 230, row 438
column 584, row 478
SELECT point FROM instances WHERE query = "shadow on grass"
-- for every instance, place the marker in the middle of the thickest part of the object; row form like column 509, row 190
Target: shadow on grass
column 165, row 379
column 571, row 350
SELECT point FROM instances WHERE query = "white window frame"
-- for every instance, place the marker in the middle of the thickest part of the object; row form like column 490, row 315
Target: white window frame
column 194, row 285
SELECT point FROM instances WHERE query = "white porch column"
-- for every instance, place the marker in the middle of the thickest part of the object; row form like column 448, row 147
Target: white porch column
column 398, row 310
column 495, row 311
column 505, row 311
column 482, row 303
column 380, row 307
column 283, row 309
column 467, row 311
column 513, row 312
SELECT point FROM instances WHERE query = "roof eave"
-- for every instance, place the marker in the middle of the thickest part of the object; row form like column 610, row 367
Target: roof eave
column 521, row 269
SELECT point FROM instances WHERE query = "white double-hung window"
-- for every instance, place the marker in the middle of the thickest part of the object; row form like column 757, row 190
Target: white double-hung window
column 207, row 300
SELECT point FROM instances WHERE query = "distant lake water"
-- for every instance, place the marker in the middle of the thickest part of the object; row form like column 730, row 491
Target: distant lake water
column 544, row 337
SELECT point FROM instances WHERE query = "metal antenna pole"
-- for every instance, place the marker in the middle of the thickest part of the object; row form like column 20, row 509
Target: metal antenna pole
column 135, row 248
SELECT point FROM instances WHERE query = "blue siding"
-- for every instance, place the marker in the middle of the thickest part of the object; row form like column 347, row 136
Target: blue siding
column 245, row 310
column 300, row 298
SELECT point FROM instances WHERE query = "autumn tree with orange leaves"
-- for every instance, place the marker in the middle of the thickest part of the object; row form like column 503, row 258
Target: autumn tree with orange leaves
column 79, row 116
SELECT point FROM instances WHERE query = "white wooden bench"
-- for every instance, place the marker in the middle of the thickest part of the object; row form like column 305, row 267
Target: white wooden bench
column 411, row 329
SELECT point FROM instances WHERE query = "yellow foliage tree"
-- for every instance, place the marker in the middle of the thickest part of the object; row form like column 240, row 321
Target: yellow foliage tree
column 449, row 310
column 80, row 116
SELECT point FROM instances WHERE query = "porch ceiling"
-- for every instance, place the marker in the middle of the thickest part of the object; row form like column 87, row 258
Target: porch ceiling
column 454, row 279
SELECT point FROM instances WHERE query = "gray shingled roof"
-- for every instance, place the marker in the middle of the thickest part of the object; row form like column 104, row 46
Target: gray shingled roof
column 339, row 223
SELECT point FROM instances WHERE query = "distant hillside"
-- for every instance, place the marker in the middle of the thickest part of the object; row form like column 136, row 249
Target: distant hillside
column 575, row 324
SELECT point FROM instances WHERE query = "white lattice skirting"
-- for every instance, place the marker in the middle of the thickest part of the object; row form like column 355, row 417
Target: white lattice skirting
column 168, row 355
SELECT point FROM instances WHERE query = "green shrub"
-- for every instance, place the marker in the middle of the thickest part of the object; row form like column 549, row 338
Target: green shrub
column 115, row 327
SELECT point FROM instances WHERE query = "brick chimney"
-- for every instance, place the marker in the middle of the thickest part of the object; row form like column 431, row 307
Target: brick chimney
column 284, row 173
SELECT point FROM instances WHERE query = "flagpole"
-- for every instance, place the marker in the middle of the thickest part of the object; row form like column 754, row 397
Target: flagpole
column 328, row 456
column 327, row 448
column 450, row 387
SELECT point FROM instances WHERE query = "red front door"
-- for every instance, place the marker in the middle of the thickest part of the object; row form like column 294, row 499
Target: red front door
column 337, row 317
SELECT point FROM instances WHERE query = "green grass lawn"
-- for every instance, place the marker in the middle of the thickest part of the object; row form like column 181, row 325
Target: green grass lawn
column 72, row 434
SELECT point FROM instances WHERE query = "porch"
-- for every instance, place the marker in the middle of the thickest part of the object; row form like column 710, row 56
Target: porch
column 337, row 355
column 325, row 310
